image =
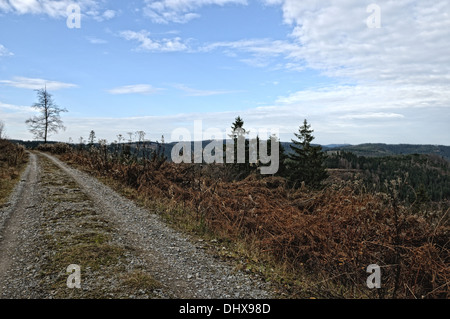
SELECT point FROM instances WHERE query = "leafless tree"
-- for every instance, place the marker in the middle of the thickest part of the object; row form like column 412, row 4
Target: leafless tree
column 130, row 134
column 140, row 143
column 49, row 119
column 140, row 136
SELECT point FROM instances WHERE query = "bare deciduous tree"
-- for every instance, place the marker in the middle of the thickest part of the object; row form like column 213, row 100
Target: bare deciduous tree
column 49, row 119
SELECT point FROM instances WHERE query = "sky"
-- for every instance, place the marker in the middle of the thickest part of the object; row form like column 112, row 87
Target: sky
column 375, row 71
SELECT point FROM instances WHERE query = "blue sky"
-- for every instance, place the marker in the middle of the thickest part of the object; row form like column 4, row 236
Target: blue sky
column 160, row 65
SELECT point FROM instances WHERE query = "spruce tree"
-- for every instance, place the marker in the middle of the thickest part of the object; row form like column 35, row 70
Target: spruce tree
column 237, row 127
column 91, row 138
column 306, row 161
column 240, row 170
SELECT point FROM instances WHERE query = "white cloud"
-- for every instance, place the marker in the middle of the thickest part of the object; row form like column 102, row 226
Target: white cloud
column 372, row 116
column 256, row 46
column 180, row 11
column 99, row 16
column 135, row 89
column 94, row 40
column 272, row 2
column 36, row 84
column 23, row 6
column 261, row 51
column 152, row 45
column 16, row 108
column 195, row 92
column 109, row 14
column 4, row 6
column 409, row 48
column 14, row 117
column 56, row 8
column 4, row 51
column 335, row 100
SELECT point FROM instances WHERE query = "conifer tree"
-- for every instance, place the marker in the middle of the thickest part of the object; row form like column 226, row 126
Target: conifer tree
column 237, row 127
column 238, row 132
column 306, row 162
column 92, row 138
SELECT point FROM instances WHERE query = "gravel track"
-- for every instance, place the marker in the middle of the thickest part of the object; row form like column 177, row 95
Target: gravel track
column 18, row 225
column 182, row 266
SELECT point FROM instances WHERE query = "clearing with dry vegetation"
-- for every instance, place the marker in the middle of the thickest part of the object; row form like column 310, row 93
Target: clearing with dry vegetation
column 185, row 231
column 308, row 243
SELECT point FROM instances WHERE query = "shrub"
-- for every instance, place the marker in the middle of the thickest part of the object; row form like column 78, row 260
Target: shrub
column 58, row 148
column 11, row 154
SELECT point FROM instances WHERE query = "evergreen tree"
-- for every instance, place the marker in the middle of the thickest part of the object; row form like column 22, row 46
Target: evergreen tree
column 237, row 128
column 238, row 132
column 306, row 161
column 91, row 138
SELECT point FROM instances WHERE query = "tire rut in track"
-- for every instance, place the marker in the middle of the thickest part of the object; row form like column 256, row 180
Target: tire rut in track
column 17, row 222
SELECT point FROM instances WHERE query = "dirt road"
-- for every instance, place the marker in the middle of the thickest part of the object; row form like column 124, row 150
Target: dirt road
column 59, row 216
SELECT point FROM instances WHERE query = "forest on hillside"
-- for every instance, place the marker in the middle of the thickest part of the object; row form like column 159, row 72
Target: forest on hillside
column 380, row 149
column 427, row 176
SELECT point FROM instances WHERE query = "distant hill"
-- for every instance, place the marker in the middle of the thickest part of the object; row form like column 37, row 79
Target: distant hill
column 377, row 150
column 335, row 145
